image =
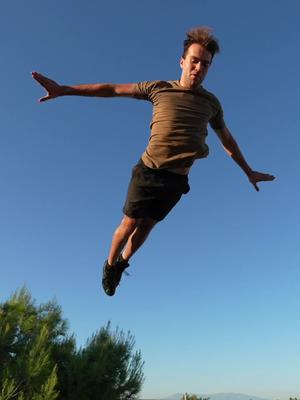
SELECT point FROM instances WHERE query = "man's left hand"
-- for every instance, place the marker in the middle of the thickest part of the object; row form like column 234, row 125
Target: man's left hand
column 255, row 177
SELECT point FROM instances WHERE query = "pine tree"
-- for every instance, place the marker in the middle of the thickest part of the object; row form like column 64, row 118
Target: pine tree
column 27, row 336
column 39, row 361
column 107, row 368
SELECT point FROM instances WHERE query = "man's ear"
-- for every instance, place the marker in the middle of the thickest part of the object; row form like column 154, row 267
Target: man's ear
column 181, row 62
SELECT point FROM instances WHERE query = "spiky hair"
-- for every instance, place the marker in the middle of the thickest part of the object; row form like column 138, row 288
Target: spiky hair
column 203, row 36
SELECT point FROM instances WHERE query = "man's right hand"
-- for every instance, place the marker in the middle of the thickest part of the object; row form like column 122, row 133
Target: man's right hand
column 52, row 88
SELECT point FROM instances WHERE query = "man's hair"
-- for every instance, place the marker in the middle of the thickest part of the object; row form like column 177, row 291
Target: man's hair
column 203, row 36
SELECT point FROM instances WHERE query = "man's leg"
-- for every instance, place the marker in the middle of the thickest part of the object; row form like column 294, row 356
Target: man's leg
column 138, row 237
column 120, row 237
column 129, row 235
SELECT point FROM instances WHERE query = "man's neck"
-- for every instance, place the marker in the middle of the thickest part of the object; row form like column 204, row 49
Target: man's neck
column 188, row 86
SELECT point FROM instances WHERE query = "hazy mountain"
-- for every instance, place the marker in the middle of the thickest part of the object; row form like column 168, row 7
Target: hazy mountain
column 217, row 396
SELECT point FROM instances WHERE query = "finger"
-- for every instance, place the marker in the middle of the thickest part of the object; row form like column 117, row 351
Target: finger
column 267, row 177
column 39, row 79
column 45, row 98
column 43, row 80
column 37, row 76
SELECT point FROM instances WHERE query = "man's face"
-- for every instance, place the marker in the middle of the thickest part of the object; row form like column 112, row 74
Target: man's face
column 194, row 66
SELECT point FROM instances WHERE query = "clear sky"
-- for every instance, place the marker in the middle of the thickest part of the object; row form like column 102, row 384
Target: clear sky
column 213, row 297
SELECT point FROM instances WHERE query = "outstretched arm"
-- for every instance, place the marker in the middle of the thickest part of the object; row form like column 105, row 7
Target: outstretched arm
column 54, row 89
column 232, row 148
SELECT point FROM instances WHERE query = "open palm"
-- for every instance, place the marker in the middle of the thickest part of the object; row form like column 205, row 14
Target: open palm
column 52, row 88
column 255, row 177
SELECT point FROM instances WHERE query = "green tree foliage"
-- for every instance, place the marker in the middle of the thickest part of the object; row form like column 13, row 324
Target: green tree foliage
column 107, row 365
column 28, row 335
column 39, row 361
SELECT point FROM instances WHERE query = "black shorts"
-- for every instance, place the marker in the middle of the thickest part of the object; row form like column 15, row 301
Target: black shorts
column 153, row 192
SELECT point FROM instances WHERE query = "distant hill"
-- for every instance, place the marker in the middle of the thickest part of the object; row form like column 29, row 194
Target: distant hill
column 217, row 396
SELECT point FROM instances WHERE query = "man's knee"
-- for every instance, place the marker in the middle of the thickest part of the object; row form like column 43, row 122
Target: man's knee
column 130, row 224
column 146, row 223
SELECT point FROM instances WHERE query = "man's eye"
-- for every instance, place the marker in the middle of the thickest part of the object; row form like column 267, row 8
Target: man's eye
column 205, row 64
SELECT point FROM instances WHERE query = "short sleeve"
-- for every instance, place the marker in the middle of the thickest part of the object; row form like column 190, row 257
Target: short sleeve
column 217, row 120
column 141, row 90
column 144, row 90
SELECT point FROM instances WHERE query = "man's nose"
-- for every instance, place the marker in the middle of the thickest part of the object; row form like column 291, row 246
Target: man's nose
column 199, row 66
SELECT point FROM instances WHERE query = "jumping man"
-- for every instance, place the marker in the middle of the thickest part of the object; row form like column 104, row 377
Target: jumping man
column 182, row 110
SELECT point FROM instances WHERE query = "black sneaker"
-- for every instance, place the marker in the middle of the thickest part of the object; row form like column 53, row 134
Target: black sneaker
column 112, row 275
column 120, row 267
column 108, row 279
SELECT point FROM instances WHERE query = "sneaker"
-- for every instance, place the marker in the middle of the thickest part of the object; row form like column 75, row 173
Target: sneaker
column 112, row 275
column 120, row 267
column 108, row 279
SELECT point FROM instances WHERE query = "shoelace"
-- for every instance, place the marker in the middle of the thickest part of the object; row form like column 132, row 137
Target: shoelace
column 123, row 270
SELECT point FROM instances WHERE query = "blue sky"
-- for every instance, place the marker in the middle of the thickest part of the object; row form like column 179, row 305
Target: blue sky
column 213, row 297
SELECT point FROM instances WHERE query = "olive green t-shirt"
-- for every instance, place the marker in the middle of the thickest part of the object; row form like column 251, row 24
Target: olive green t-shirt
column 179, row 124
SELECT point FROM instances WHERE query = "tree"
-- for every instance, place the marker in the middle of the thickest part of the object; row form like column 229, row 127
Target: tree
column 193, row 397
column 39, row 360
column 31, row 337
column 28, row 335
column 108, row 366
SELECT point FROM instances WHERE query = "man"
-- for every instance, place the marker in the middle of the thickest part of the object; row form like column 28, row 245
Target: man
column 181, row 112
